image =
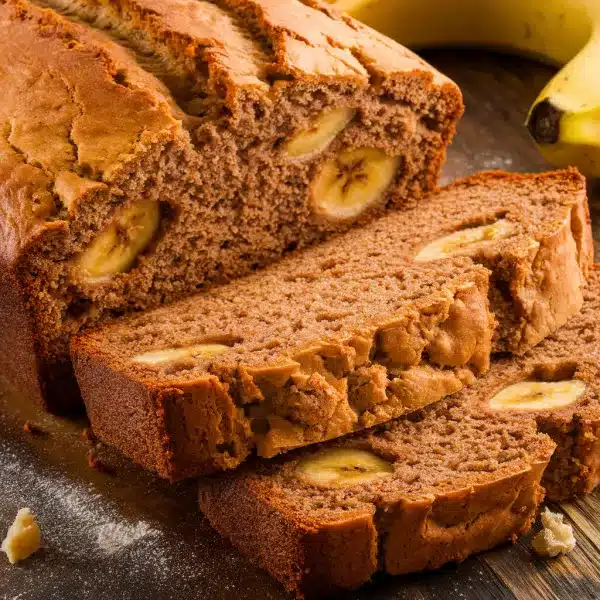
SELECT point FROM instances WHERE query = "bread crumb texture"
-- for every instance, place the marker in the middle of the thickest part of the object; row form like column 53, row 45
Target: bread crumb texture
column 23, row 537
column 555, row 538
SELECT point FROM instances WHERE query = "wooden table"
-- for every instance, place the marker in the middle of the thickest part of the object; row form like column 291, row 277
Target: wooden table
column 132, row 537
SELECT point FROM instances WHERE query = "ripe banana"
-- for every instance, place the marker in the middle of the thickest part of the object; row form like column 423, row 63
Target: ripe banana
column 339, row 467
column 565, row 118
column 465, row 240
column 538, row 395
column 115, row 249
column 157, row 357
column 320, row 134
column 352, row 181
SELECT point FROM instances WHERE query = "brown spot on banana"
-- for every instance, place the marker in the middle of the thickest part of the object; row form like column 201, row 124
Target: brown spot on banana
column 543, row 122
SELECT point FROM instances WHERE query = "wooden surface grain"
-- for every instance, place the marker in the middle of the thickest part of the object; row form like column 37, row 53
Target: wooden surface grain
column 129, row 536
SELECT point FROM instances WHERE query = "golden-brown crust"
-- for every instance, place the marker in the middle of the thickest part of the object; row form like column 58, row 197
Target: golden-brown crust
column 452, row 526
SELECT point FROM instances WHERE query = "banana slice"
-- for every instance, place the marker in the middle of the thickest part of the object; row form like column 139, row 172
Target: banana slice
column 352, row 181
column 323, row 131
column 463, row 240
column 157, row 357
column 538, row 395
column 340, row 467
column 115, row 249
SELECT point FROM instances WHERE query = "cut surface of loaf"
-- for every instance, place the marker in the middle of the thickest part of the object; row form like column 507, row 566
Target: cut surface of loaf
column 302, row 352
column 148, row 149
column 459, row 477
column 572, row 351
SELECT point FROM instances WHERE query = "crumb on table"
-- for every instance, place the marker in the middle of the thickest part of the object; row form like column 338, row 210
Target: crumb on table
column 33, row 429
column 23, row 537
column 555, row 538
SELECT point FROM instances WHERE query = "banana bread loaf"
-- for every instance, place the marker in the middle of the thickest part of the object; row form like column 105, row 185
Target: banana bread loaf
column 148, row 148
column 533, row 232
column 299, row 353
column 454, row 479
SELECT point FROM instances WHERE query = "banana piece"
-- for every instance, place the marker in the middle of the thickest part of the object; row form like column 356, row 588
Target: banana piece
column 352, row 181
column 340, row 467
column 565, row 118
column 465, row 240
column 157, row 357
column 115, row 249
column 538, row 395
column 320, row 134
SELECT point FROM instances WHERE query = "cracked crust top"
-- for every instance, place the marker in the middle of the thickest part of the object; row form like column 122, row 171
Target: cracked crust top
column 75, row 102
column 64, row 111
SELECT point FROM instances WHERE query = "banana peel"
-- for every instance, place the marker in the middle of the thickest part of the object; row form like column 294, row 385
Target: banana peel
column 564, row 120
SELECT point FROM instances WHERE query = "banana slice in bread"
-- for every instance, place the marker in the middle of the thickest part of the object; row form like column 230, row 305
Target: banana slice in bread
column 114, row 250
column 352, row 181
column 464, row 240
column 538, row 395
column 339, row 467
column 320, row 134
column 167, row 355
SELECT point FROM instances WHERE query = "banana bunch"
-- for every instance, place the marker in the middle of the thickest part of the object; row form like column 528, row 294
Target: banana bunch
column 565, row 119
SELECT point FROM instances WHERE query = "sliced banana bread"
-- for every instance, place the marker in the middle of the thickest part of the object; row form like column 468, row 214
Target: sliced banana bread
column 456, row 478
column 411, row 496
column 297, row 354
column 149, row 148
column 533, row 232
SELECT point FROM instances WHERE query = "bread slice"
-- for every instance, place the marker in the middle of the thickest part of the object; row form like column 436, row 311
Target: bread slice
column 148, row 149
column 433, row 490
column 533, row 232
column 210, row 414
column 297, row 354
column 459, row 477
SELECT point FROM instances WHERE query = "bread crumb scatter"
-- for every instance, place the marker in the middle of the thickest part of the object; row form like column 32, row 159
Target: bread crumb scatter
column 34, row 429
column 23, row 537
column 555, row 538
